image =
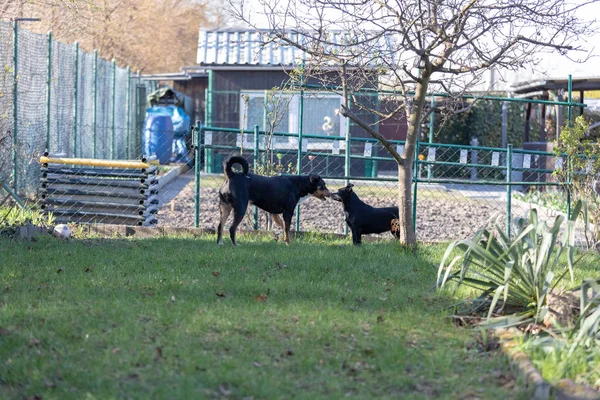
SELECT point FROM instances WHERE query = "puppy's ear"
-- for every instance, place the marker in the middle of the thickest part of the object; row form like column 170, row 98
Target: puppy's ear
column 314, row 178
column 349, row 187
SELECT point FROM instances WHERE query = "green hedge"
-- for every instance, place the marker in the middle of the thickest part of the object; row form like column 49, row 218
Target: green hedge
column 483, row 121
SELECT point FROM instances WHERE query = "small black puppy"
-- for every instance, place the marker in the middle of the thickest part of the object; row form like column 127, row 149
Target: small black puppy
column 361, row 217
column 276, row 195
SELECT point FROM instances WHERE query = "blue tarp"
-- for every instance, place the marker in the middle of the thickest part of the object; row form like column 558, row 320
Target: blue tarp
column 181, row 121
column 181, row 129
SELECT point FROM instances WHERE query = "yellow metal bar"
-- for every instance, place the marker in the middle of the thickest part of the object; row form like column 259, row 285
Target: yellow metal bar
column 91, row 162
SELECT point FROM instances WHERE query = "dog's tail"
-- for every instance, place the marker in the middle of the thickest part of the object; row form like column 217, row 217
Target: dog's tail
column 236, row 160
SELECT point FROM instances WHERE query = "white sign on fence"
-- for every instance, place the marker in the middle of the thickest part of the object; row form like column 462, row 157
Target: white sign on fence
column 208, row 138
column 335, row 147
column 527, row 161
column 558, row 164
column 400, row 148
column 431, row 154
column 368, row 149
column 463, row 156
column 239, row 140
column 305, row 145
column 495, row 158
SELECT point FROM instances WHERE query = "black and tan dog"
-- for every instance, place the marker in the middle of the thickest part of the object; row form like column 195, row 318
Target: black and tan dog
column 361, row 218
column 276, row 195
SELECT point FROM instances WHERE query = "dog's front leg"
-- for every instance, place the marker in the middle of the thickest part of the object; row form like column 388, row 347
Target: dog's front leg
column 356, row 237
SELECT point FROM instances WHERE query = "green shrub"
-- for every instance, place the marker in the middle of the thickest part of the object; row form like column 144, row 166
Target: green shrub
column 579, row 172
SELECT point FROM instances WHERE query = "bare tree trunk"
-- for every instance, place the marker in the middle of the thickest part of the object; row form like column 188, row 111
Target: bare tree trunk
column 405, row 217
column 405, row 169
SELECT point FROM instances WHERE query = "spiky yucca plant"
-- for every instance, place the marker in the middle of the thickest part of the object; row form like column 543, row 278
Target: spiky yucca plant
column 512, row 274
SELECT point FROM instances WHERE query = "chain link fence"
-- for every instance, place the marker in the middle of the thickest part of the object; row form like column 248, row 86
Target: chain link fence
column 456, row 188
column 56, row 98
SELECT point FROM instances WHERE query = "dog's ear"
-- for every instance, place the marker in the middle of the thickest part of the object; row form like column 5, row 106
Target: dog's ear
column 349, row 187
column 314, row 178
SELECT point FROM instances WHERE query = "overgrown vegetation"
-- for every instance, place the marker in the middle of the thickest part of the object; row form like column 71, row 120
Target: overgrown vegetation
column 13, row 216
column 579, row 171
column 552, row 199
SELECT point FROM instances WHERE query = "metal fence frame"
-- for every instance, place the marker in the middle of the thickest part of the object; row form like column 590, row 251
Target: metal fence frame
column 506, row 168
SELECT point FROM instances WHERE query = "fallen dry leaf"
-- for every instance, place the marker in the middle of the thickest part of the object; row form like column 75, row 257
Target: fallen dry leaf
column 216, row 274
column 261, row 297
column 115, row 350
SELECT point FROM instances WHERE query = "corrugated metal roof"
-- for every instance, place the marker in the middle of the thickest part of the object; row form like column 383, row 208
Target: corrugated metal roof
column 254, row 48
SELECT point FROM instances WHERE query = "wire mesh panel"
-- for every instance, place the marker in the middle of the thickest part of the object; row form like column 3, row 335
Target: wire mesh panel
column 103, row 135
column 62, row 99
column 85, row 128
column 31, row 108
column 119, row 124
column 6, row 101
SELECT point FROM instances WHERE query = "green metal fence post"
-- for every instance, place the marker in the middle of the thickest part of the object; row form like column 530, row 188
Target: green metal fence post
column 299, row 156
column 570, row 124
column 112, row 117
column 15, row 105
column 256, row 155
column 347, row 154
column 197, row 134
column 415, row 176
column 208, row 167
column 207, row 124
column 570, row 97
column 431, row 129
column 95, row 104
column 374, row 165
column 48, row 90
column 127, row 113
column 75, row 99
column 509, row 152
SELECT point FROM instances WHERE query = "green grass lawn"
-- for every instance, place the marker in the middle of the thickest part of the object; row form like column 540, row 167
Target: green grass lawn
column 183, row 318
